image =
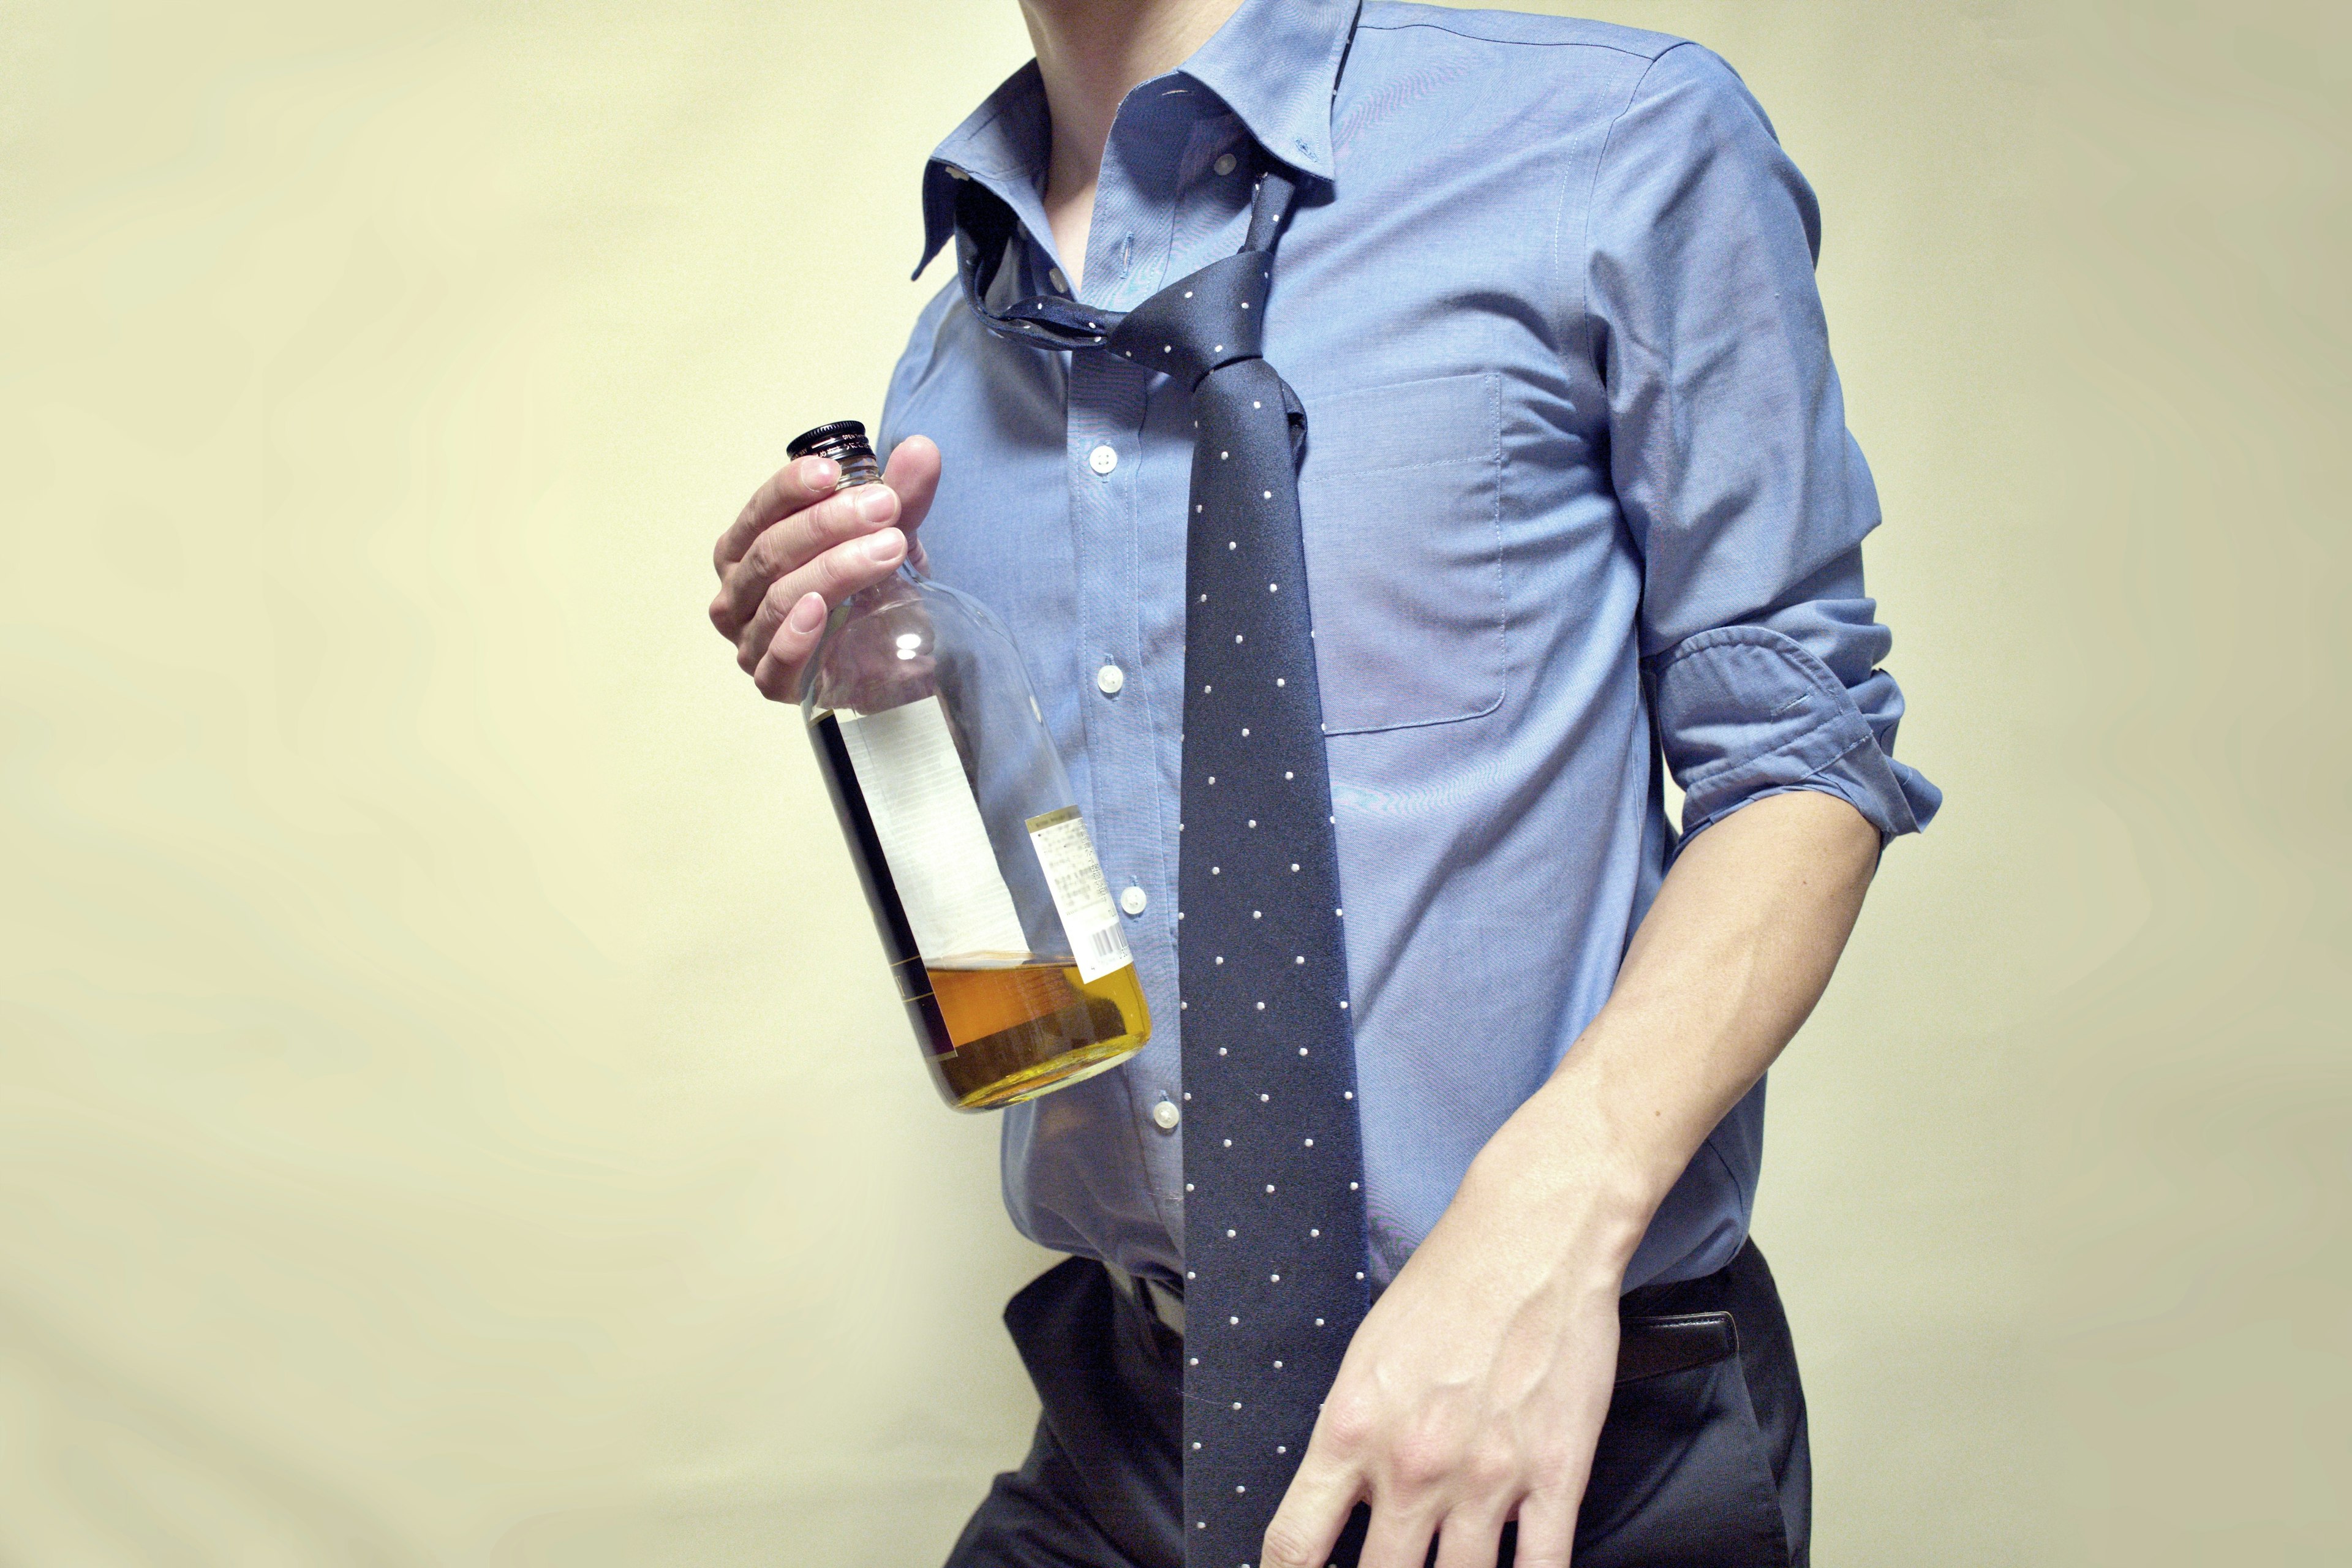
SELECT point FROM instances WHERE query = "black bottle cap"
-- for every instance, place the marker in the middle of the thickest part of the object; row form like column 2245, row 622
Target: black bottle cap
column 838, row 439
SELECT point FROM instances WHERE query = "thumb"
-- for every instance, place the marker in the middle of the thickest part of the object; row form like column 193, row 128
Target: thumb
column 913, row 473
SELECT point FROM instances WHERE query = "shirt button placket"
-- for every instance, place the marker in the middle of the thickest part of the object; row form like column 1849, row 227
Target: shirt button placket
column 1106, row 406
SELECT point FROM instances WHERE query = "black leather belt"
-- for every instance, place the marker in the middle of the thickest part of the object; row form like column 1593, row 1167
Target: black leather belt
column 1649, row 1345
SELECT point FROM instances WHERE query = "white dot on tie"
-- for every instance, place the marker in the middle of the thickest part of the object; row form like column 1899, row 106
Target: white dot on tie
column 1255, row 403
column 1238, row 1404
column 1281, row 1448
column 1213, row 778
column 1218, row 350
column 1169, row 349
column 1315, row 1233
column 1213, row 870
column 1353, row 1186
column 1236, row 1322
column 1273, row 587
column 1279, row 681
column 1300, row 959
column 1187, row 1186
column 1269, row 1186
column 1302, row 1050
column 1294, row 865
column 1287, row 772
column 1319, row 1323
column 1262, row 1099
column 1343, row 1006
column 1347, row 1094
column 1253, row 821
column 1267, row 494
column 1231, row 544
column 1360, row 1274
column 1222, row 455
column 1188, row 294
column 1341, row 913
column 1198, row 509
column 1309, row 1142
column 1257, row 914
column 1229, row 1142
column 1237, row 636
column 1204, row 599
column 1261, row 1006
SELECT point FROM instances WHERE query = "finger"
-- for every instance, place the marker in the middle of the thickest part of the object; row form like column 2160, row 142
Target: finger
column 1313, row 1512
column 914, row 474
column 778, row 672
column 792, row 541
column 832, row 577
column 1470, row 1538
column 829, row 579
column 797, row 484
column 1400, row 1536
column 1546, row 1528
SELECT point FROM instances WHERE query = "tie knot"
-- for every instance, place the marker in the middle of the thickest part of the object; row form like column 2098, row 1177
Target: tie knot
column 1210, row 318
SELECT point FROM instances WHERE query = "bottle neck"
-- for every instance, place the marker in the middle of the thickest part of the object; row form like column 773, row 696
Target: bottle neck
column 859, row 467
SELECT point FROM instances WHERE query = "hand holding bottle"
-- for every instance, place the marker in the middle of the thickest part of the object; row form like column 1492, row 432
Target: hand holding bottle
column 976, row 861
column 799, row 548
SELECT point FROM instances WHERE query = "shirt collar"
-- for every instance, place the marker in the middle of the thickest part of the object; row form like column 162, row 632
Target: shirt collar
column 1274, row 63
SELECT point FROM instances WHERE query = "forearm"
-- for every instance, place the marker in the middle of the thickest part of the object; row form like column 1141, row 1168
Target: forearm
column 1738, row 947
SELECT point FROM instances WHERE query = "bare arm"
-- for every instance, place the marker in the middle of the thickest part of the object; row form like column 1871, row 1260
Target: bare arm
column 1475, row 1390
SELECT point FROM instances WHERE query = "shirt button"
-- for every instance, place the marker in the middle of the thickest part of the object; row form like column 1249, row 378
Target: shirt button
column 1102, row 460
column 1059, row 281
column 1225, row 164
column 1133, row 900
column 1164, row 1116
column 1110, row 681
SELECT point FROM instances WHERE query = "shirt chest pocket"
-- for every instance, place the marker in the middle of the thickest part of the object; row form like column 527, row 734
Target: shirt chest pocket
column 1399, row 505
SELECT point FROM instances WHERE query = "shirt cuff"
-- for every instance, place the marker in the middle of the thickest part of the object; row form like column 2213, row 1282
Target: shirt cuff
column 1745, row 711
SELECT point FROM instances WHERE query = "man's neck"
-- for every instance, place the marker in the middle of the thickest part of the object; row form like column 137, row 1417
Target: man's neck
column 1091, row 53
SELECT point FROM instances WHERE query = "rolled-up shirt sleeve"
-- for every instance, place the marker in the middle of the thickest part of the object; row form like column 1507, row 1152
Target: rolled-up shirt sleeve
column 1739, row 485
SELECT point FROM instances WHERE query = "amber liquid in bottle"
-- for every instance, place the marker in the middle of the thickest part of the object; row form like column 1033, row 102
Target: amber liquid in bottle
column 1000, row 1027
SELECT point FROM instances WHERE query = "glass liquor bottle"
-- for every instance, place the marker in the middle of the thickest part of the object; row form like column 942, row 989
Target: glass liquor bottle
column 983, row 879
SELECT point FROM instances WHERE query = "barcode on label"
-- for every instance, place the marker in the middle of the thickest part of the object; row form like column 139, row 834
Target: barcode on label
column 1081, row 896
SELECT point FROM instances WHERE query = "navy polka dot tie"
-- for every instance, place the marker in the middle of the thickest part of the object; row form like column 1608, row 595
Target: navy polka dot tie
column 1273, row 1226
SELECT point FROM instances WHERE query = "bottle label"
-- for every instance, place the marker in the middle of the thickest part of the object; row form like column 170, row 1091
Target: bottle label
column 953, row 892
column 1080, row 894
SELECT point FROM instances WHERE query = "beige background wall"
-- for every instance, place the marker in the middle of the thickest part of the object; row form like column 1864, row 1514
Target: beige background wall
column 450, row 1107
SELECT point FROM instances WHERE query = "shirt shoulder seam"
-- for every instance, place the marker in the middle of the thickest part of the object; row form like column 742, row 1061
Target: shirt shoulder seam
column 1599, row 162
column 1367, row 25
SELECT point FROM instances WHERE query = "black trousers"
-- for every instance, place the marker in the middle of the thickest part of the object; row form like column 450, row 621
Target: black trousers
column 1703, row 1468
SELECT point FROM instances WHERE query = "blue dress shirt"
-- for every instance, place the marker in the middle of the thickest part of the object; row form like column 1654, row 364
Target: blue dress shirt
column 1578, row 492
